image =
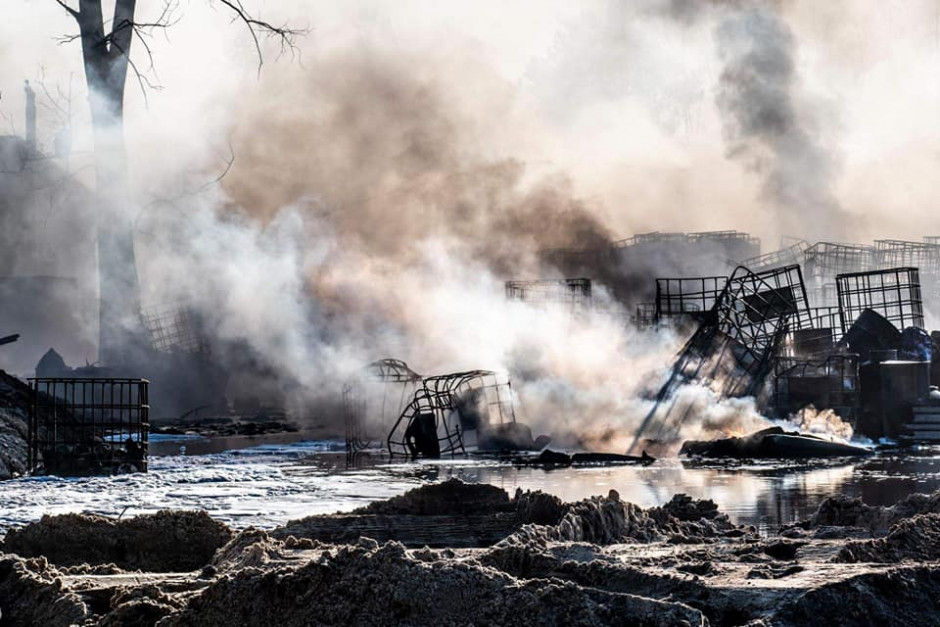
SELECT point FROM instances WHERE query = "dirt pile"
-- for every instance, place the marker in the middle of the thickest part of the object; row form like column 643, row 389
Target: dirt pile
column 31, row 593
column 380, row 585
column 167, row 541
column 914, row 539
column 902, row 596
column 447, row 498
column 14, row 405
column 846, row 511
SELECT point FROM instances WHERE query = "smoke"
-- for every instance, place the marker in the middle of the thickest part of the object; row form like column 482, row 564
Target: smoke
column 767, row 127
column 386, row 184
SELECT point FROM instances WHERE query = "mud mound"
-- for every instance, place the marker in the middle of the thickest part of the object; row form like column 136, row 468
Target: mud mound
column 251, row 548
column 846, row 511
column 31, row 594
column 167, row 541
column 371, row 585
column 903, row 596
column 603, row 520
column 538, row 508
column 912, row 539
column 448, row 498
column 139, row 607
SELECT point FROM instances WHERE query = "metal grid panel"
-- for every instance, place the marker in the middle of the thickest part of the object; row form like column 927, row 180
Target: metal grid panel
column 88, row 426
column 893, row 253
column 572, row 294
column 827, row 318
column 894, row 293
column 175, row 328
column 695, row 295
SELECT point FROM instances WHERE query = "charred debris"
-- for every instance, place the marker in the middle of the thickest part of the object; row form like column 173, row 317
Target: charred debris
column 828, row 326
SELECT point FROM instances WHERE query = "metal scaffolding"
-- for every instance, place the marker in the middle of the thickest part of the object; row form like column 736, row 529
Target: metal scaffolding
column 894, row 293
column 88, row 426
column 644, row 316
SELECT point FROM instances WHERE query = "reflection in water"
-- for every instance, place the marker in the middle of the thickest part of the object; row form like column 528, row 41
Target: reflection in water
column 763, row 494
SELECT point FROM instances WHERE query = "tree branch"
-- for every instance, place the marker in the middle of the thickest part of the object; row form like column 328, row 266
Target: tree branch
column 284, row 34
column 68, row 9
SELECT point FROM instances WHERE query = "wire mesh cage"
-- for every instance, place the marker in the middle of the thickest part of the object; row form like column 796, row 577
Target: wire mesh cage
column 827, row 383
column 448, row 407
column 88, row 426
column 372, row 400
column 894, row 293
column 644, row 316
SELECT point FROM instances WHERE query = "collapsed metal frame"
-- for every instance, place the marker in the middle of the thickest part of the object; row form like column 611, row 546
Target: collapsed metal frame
column 894, row 293
column 840, row 371
column 687, row 296
column 389, row 374
column 82, row 426
column 444, row 397
column 734, row 348
column 572, row 294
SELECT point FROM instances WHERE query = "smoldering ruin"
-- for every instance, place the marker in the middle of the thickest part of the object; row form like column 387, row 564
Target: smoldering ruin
column 584, row 313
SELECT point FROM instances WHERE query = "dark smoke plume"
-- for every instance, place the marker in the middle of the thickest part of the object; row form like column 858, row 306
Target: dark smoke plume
column 764, row 125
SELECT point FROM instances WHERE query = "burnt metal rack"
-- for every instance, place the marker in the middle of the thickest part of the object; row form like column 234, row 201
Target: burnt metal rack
column 88, row 426
column 372, row 399
column 894, row 293
column 445, row 407
column 693, row 296
column 790, row 255
column 644, row 316
column 571, row 294
column 826, row 260
column 734, row 348
column 828, row 383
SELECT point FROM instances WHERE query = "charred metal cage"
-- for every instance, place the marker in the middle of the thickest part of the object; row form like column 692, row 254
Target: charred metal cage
column 831, row 383
column 571, row 294
column 894, row 293
column 372, row 400
column 790, row 255
column 644, row 316
column 687, row 296
column 827, row 318
column 175, row 328
column 824, row 261
column 445, row 408
column 734, row 348
column 88, row 426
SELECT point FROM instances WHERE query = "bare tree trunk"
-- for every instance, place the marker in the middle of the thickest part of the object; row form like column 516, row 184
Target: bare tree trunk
column 106, row 59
